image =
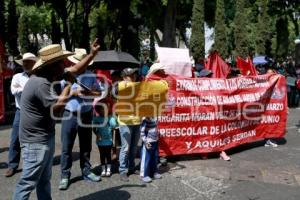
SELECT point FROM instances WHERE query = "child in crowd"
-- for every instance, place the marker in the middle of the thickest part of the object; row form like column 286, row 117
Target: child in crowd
column 103, row 125
column 149, row 153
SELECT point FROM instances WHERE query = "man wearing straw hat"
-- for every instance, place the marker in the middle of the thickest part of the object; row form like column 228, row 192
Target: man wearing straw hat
column 39, row 104
column 77, row 120
column 17, row 85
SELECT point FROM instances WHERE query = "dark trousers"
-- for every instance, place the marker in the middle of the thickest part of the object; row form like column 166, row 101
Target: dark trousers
column 105, row 154
column 14, row 147
column 70, row 128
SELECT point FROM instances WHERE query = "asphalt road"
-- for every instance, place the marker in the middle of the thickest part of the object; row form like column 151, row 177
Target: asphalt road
column 255, row 173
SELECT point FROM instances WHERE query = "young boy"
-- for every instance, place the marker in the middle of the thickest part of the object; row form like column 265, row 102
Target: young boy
column 149, row 153
column 103, row 124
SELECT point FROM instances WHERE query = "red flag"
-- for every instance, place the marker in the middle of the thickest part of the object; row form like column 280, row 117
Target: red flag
column 246, row 66
column 217, row 65
column 252, row 67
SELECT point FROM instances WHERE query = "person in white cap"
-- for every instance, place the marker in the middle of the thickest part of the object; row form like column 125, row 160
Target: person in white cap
column 17, row 85
column 157, row 69
column 40, row 103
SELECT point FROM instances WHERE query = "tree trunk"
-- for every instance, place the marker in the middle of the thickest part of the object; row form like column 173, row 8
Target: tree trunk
column 169, row 34
column 75, row 24
column 295, row 22
column 85, row 39
column 66, row 31
column 55, row 32
column 185, row 39
column 152, row 44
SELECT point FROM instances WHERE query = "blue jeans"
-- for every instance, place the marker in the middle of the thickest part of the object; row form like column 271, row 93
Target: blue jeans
column 69, row 130
column 149, row 160
column 37, row 170
column 130, row 136
column 14, row 147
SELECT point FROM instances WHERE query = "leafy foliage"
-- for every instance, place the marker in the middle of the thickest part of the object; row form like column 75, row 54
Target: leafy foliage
column 197, row 45
column 12, row 29
column 220, row 30
column 240, row 33
column 241, row 26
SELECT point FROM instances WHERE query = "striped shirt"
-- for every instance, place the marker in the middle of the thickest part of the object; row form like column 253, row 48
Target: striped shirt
column 149, row 132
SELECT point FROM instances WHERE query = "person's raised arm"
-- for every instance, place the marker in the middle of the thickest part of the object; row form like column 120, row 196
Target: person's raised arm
column 62, row 100
column 80, row 67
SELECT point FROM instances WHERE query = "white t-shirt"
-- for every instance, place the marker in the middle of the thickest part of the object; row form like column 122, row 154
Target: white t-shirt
column 17, row 85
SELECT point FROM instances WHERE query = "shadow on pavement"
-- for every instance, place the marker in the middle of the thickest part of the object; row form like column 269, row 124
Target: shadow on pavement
column 75, row 157
column 110, row 193
column 170, row 166
column 246, row 147
column 75, row 179
column 4, row 149
column 235, row 150
column 5, row 127
column 3, row 165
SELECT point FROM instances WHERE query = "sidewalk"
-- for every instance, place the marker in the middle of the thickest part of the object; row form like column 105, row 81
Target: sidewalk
column 255, row 172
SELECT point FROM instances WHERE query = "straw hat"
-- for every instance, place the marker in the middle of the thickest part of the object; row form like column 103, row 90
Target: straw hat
column 50, row 54
column 154, row 68
column 26, row 56
column 78, row 56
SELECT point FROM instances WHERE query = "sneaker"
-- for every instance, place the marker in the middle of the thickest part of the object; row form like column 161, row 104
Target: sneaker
column 108, row 173
column 10, row 172
column 269, row 143
column 64, row 184
column 163, row 161
column 157, row 176
column 147, row 179
column 224, row 156
column 124, row 177
column 133, row 172
column 108, row 170
column 92, row 177
column 103, row 173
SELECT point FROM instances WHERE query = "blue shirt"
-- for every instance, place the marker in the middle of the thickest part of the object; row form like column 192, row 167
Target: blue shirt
column 103, row 128
column 81, row 103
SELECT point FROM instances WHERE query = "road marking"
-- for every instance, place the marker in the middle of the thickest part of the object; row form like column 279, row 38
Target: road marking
column 192, row 187
column 291, row 127
column 154, row 185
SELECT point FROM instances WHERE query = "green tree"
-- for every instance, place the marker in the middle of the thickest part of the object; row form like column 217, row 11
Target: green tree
column 12, row 29
column 263, row 28
column 240, row 31
column 55, row 29
column 24, row 34
column 282, row 37
column 169, row 31
column 221, row 44
column 197, row 43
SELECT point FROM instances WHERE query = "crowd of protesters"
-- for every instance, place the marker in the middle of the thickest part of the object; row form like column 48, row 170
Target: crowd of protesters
column 50, row 89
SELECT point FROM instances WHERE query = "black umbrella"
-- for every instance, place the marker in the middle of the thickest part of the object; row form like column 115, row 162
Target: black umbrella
column 114, row 60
